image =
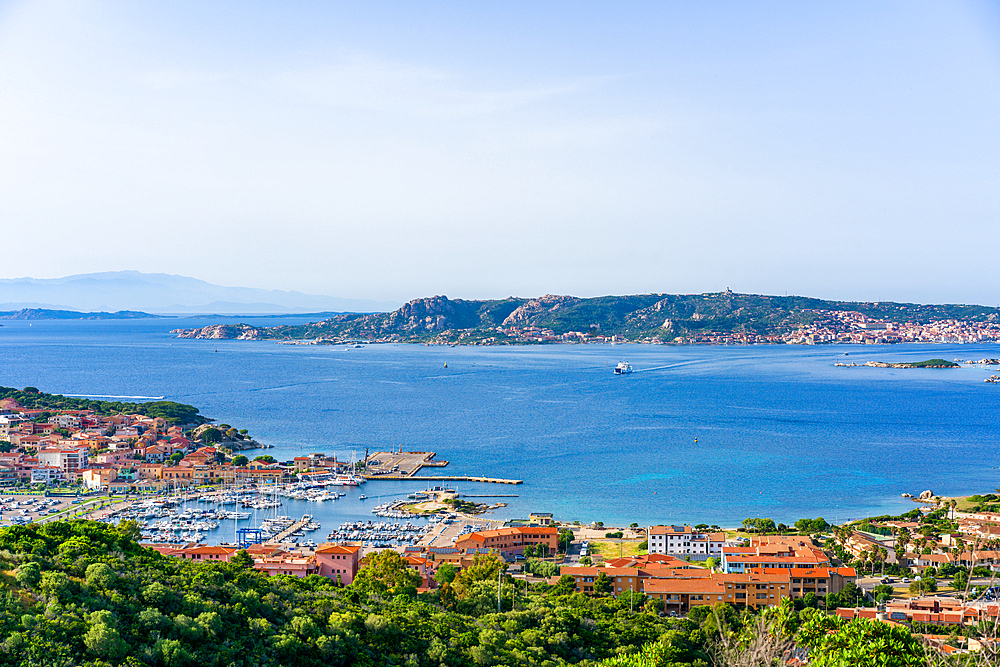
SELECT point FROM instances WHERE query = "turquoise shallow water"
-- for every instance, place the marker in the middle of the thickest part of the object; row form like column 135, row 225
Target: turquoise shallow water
column 780, row 431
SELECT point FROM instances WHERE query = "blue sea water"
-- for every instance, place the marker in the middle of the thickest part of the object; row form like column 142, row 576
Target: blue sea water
column 709, row 434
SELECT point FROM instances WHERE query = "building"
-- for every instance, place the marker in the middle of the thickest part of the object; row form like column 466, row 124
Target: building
column 768, row 552
column 510, row 542
column 45, row 474
column 337, row 562
column 680, row 594
column 97, row 479
column 684, row 541
column 71, row 460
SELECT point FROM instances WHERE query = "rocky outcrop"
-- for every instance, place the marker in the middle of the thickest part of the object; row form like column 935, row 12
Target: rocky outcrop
column 430, row 314
column 524, row 314
column 222, row 332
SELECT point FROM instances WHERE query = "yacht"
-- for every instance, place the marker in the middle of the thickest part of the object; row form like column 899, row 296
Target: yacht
column 623, row 368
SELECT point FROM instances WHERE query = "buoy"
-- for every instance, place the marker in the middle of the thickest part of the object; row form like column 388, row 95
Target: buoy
column 446, row 365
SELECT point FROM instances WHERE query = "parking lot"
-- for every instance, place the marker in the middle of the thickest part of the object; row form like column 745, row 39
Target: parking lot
column 22, row 509
column 447, row 531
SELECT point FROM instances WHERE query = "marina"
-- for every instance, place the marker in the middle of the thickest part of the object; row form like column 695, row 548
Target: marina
column 292, row 516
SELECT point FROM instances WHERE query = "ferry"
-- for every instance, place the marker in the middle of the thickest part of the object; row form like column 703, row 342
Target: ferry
column 623, row 368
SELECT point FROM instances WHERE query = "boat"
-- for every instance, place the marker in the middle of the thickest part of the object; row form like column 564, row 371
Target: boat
column 362, row 497
column 623, row 368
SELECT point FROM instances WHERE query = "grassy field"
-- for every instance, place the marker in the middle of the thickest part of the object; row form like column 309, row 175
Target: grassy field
column 610, row 548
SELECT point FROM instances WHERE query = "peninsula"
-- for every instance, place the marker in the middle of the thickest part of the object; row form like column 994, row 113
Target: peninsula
column 714, row 318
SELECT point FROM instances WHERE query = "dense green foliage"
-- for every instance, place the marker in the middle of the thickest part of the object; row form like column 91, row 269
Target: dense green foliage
column 174, row 413
column 83, row 593
column 933, row 363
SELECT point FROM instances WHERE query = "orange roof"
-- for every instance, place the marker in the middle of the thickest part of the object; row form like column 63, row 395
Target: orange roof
column 337, row 549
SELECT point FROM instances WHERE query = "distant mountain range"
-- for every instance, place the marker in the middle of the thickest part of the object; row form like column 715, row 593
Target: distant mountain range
column 162, row 293
column 44, row 314
column 663, row 317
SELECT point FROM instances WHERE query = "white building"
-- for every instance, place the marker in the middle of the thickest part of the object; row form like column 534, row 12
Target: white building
column 684, row 541
column 68, row 459
column 45, row 474
column 65, row 421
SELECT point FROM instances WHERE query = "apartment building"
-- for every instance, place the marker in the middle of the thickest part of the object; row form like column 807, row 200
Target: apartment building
column 509, row 542
column 684, row 541
column 773, row 552
column 70, row 460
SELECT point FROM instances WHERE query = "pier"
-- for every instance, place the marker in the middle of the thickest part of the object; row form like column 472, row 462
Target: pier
column 401, row 463
column 287, row 532
column 444, row 478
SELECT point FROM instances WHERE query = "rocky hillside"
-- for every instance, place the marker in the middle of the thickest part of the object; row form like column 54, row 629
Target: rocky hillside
column 635, row 317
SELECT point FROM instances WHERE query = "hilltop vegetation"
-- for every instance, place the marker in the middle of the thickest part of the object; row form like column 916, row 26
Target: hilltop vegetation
column 662, row 316
column 32, row 399
column 85, row 593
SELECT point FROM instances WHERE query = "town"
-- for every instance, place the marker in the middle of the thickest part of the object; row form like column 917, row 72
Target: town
column 859, row 570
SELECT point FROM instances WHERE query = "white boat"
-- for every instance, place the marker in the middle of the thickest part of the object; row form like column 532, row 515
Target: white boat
column 623, row 368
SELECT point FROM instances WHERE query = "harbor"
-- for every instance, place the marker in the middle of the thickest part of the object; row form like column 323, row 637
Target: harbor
column 301, row 515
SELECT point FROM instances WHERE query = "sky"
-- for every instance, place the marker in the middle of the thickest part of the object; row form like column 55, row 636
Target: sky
column 389, row 151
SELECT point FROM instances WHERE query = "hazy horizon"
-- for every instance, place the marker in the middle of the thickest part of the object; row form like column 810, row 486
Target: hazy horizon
column 387, row 152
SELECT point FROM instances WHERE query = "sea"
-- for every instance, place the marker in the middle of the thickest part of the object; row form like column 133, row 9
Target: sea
column 696, row 434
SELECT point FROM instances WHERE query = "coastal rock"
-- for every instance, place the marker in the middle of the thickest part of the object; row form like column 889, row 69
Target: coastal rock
column 221, row 332
column 523, row 314
column 926, row 495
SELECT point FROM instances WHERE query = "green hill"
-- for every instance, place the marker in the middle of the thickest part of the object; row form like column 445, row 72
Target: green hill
column 663, row 317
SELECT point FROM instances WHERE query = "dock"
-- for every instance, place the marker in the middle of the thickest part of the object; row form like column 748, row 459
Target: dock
column 401, row 463
column 287, row 532
column 444, row 478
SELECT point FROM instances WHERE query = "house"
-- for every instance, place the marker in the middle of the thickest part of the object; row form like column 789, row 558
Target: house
column 97, row 479
column 150, row 470
column 337, row 562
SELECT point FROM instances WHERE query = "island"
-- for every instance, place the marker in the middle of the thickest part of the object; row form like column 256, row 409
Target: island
column 713, row 318
column 929, row 363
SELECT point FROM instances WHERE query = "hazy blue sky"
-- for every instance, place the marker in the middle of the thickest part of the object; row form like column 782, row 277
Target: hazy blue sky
column 394, row 150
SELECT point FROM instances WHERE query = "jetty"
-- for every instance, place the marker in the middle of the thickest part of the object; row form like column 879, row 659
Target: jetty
column 287, row 532
column 444, row 478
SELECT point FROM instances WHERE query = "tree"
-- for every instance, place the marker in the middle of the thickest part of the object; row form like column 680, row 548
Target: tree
column 711, row 563
column 565, row 537
column 176, row 457
column 242, row 559
column 28, row 574
column 240, row 460
column 265, row 458
column 484, row 568
column 446, row 573
column 960, row 580
column 210, row 435
column 864, row 642
column 565, row 586
column 602, row 584
column 883, row 592
column 103, row 639
column 758, row 525
column 925, row 584
column 386, row 573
